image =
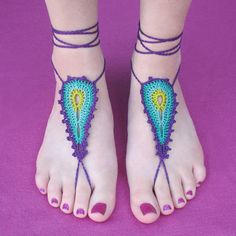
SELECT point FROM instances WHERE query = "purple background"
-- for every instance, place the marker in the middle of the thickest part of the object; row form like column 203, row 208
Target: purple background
column 26, row 91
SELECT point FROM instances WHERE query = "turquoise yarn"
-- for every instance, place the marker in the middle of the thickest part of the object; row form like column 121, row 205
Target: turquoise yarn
column 78, row 120
column 161, row 120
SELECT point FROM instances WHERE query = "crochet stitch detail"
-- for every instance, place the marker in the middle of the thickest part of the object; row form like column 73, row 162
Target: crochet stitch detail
column 78, row 100
column 159, row 100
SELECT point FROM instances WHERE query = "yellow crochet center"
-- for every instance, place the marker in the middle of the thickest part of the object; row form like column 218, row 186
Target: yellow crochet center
column 159, row 100
column 77, row 99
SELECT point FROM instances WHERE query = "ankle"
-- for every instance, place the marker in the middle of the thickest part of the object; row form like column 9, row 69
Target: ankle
column 77, row 53
column 155, row 56
column 85, row 61
column 156, row 66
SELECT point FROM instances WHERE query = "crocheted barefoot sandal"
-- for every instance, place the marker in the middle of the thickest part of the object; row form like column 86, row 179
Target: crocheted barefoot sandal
column 159, row 98
column 78, row 97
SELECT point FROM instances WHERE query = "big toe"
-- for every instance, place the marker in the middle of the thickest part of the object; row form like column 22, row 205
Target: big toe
column 143, row 202
column 102, row 203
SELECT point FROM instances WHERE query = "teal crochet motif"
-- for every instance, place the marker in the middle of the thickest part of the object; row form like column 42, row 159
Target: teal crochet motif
column 159, row 100
column 78, row 100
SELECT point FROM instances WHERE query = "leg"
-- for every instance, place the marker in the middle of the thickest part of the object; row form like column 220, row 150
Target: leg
column 56, row 167
column 185, row 165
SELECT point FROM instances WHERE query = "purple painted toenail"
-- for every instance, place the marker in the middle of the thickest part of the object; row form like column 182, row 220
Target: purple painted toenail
column 65, row 207
column 166, row 208
column 147, row 208
column 54, row 201
column 99, row 208
column 181, row 200
column 42, row 190
column 80, row 211
column 190, row 192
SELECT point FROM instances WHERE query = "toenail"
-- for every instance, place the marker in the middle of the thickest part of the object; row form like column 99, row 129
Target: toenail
column 181, row 200
column 80, row 211
column 166, row 208
column 54, row 200
column 65, row 207
column 190, row 192
column 198, row 184
column 147, row 208
column 99, row 208
column 42, row 190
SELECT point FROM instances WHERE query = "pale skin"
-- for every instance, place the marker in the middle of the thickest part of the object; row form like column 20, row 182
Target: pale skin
column 55, row 164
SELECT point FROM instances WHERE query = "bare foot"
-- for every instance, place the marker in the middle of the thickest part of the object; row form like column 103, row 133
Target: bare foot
column 185, row 165
column 56, row 167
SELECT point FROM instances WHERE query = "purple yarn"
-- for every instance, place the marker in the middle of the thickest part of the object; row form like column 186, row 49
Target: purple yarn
column 154, row 40
column 80, row 151
column 87, row 31
column 161, row 150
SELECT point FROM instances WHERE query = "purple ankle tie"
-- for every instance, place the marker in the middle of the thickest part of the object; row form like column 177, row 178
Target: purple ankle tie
column 78, row 97
column 93, row 30
column 158, row 97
